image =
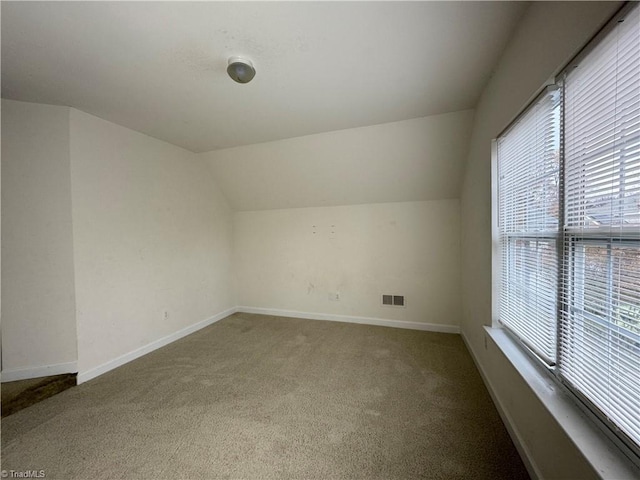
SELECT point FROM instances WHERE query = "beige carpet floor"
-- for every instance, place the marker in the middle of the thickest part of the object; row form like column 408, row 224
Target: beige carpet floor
column 268, row 397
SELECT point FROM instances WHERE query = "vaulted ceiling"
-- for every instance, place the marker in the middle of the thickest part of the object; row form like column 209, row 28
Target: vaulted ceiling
column 160, row 67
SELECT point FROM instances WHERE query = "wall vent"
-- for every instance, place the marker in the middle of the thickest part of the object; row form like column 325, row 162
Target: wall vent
column 393, row 300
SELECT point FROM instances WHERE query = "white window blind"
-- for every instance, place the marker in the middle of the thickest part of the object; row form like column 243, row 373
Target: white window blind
column 528, row 224
column 600, row 325
column 569, row 227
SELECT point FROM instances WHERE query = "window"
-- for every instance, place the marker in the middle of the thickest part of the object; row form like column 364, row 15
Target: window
column 568, row 211
column 528, row 170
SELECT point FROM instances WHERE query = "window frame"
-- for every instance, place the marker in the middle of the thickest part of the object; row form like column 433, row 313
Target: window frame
column 566, row 238
column 546, row 235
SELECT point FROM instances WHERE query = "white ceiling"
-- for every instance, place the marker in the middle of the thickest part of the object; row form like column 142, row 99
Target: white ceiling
column 160, row 67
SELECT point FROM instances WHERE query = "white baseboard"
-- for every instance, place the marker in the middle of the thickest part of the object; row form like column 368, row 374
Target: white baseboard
column 527, row 459
column 37, row 372
column 127, row 357
column 139, row 352
column 430, row 327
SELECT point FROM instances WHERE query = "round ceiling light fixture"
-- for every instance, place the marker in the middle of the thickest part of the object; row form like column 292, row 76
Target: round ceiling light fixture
column 241, row 69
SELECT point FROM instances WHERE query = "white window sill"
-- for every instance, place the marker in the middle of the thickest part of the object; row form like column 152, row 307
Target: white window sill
column 603, row 455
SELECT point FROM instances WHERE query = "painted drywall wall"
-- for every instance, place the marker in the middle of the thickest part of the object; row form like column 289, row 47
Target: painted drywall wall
column 298, row 259
column 0, row 243
column 38, row 305
column 549, row 35
column 152, row 240
column 412, row 160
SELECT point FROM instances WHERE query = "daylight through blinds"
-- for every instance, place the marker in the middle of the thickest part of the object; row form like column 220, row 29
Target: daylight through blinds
column 528, row 224
column 569, row 227
column 600, row 326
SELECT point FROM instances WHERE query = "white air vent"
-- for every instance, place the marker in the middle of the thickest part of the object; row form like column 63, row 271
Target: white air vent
column 393, row 300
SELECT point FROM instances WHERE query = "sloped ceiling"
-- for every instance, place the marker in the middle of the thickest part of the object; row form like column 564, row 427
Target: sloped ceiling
column 160, row 67
column 411, row 160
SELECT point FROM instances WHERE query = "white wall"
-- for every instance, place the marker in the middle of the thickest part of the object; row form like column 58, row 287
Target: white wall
column 412, row 160
column 293, row 259
column 549, row 35
column 38, row 306
column 152, row 234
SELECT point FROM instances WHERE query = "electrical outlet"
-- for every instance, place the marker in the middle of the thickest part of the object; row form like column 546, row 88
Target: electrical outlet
column 334, row 296
column 166, row 315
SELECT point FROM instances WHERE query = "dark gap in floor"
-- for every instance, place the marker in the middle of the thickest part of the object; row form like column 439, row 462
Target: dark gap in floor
column 24, row 393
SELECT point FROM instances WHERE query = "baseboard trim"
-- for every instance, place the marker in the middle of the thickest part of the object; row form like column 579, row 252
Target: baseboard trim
column 37, row 372
column 514, row 433
column 127, row 357
column 430, row 327
column 150, row 347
